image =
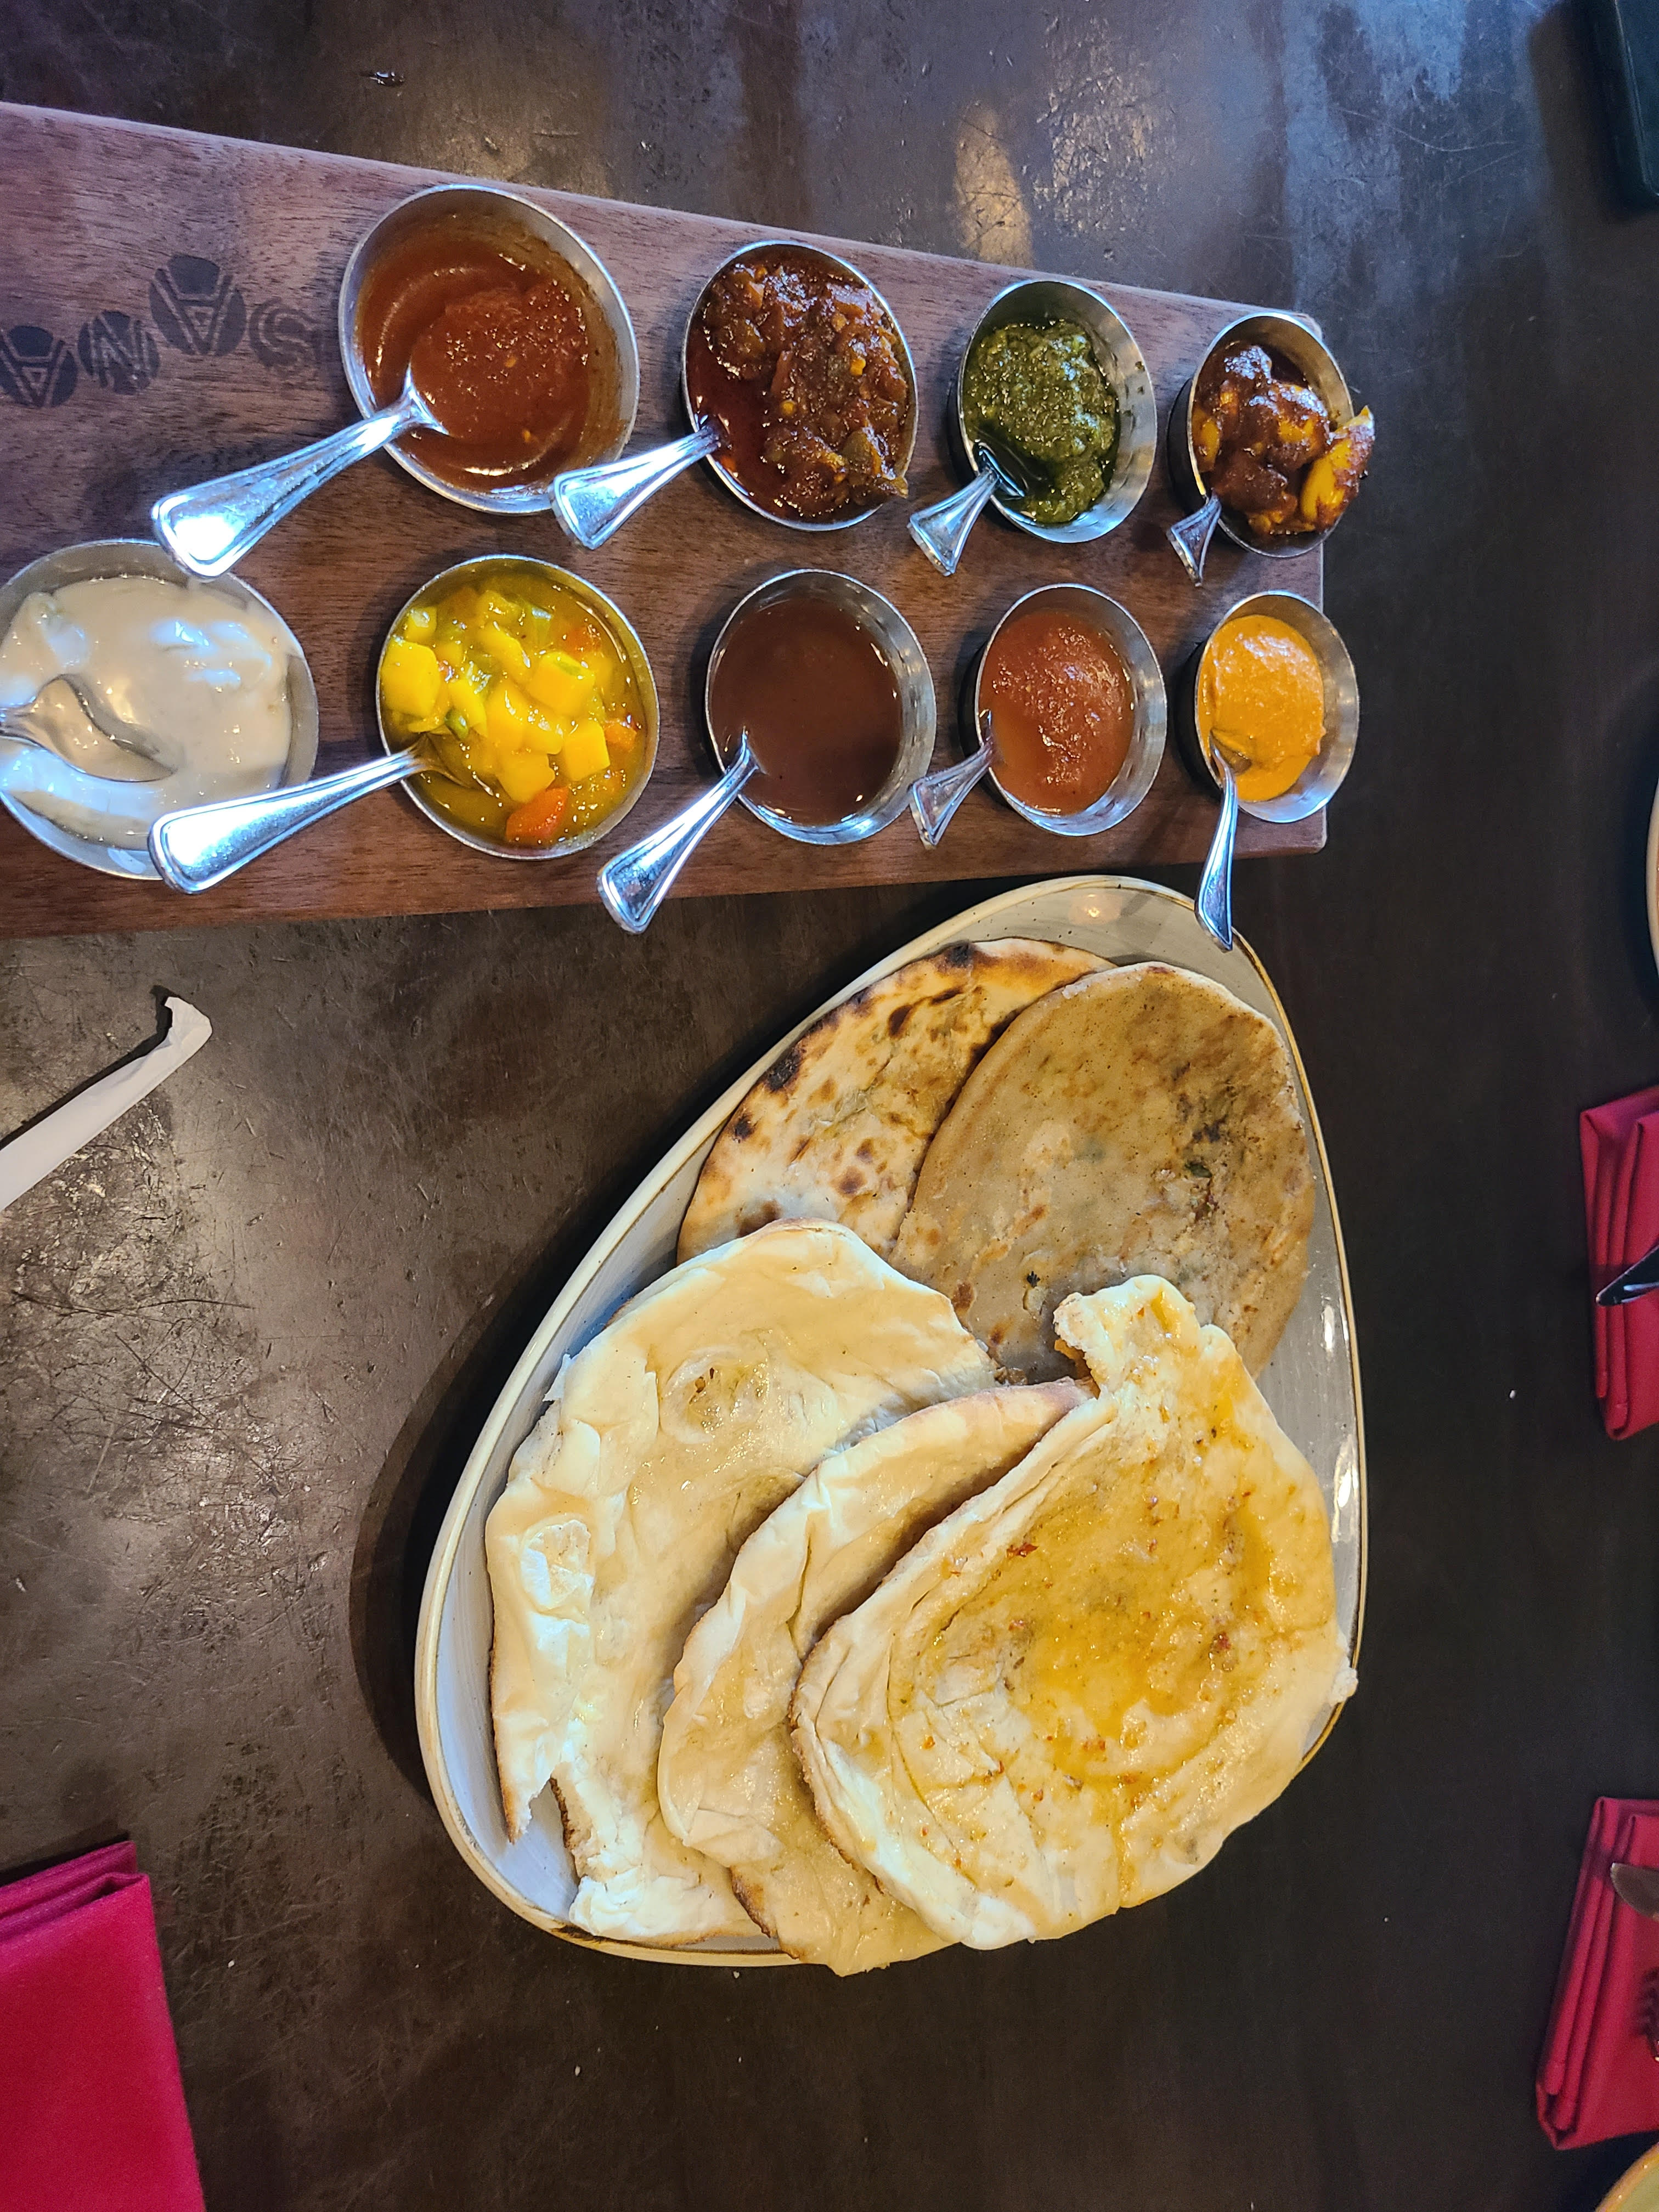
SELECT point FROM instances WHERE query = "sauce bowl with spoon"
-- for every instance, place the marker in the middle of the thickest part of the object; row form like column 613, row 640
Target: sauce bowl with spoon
column 593, row 503
column 935, row 798
column 1218, row 764
column 831, row 764
column 1002, row 478
column 211, row 526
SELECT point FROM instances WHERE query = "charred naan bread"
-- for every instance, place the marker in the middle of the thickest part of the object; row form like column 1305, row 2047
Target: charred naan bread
column 668, row 1438
column 1141, row 1122
column 727, row 1776
column 1070, row 1692
column 836, row 1128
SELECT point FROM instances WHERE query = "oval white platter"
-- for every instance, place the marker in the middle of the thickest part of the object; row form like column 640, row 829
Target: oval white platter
column 1312, row 1383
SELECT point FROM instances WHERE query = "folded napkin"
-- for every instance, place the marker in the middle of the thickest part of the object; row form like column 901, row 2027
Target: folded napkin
column 1620, row 1145
column 1598, row 2076
column 92, row 2111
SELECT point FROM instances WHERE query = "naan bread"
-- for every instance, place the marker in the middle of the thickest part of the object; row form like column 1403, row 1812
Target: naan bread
column 668, row 1438
column 727, row 1776
column 1142, row 1121
column 836, row 1128
column 1069, row 1693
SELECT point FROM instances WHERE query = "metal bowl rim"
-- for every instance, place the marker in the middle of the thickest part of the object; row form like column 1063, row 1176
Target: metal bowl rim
column 1144, row 453
column 1155, row 703
column 851, row 829
column 303, row 736
column 591, row 595
column 513, row 498
column 727, row 476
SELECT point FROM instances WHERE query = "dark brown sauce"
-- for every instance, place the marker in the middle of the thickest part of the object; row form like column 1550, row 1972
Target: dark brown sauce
column 505, row 350
column 821, row 705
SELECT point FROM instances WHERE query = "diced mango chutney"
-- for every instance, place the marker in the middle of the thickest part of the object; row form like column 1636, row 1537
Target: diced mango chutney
column 529, row 701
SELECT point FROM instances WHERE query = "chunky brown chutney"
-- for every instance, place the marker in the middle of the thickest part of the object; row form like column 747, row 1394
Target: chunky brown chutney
column 802, row 370
column 495, row 328
column 819, row 700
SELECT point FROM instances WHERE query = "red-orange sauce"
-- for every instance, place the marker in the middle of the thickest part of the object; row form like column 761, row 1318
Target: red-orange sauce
column 1062, row 710
column 500, row 349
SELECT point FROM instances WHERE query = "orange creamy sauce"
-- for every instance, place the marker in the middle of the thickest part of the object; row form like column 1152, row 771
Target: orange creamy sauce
column 1062, row 711
column 1261, row 696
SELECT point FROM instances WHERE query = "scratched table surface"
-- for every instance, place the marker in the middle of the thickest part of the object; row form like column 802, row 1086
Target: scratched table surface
column 246, row 1337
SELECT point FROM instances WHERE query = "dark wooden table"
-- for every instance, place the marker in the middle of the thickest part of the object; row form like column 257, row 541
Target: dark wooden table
column 247, row 1335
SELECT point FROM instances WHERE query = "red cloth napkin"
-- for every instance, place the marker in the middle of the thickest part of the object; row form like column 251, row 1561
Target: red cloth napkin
column 92, row 2111
column 1598, row 2076
column 1620, row 1145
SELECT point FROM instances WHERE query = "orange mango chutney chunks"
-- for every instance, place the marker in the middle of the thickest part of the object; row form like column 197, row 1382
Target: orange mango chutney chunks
column 529, row 704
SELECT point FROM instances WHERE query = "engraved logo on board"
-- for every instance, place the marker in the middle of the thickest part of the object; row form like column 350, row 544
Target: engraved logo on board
column 284, row 341
column 196, row 306
column 36, row 368
column 118, row 352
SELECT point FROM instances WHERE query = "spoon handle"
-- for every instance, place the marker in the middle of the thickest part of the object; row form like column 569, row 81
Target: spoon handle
column 1214, row 901
column 636, row 883
column 591, row 503
column 934, row 798
column 197, row 847
column 211, row 526
column 942, row 530
column 1190, row 538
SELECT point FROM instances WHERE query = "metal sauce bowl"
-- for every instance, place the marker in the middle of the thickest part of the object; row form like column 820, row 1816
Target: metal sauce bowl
column 610, row 421
column 1314, row 361
column 1323, row 775
column 728, row 476
column 1140, row 763
column 593, row 503
column 622, row 634
column 1046, row 300
column 903, row 655
column 142, row 556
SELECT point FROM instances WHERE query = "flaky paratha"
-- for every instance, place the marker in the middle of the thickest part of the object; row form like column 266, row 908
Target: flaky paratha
column 1140, row 1121
column 727, row 1776
column 1067, row 1694
column 835, row 1129
column 668, row 1438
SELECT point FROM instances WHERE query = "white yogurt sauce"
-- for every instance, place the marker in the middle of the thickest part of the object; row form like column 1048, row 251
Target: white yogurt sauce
column 203, row 673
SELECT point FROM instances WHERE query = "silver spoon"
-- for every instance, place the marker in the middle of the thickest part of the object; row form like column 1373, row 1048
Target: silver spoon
column 934, row 798
column 196, row 846
column 65, row 718
column 636, row 883
column 211, row 526
column 1214, row 902
column 593, row 503
column 942, row 530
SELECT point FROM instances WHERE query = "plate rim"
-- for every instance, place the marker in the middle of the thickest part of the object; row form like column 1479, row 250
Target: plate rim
column 440, row 1567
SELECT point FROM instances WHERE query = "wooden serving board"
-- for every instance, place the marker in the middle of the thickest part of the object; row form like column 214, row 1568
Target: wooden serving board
column 168, row 313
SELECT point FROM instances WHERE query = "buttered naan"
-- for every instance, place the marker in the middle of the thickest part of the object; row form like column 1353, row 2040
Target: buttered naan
column 726, row 1776
column 1069, row 1692
column 668, row 1439
column 1141, row 1122
column 836, row 1128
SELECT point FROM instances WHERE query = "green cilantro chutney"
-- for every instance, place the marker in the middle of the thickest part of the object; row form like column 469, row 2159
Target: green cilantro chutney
column 1040, row 391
